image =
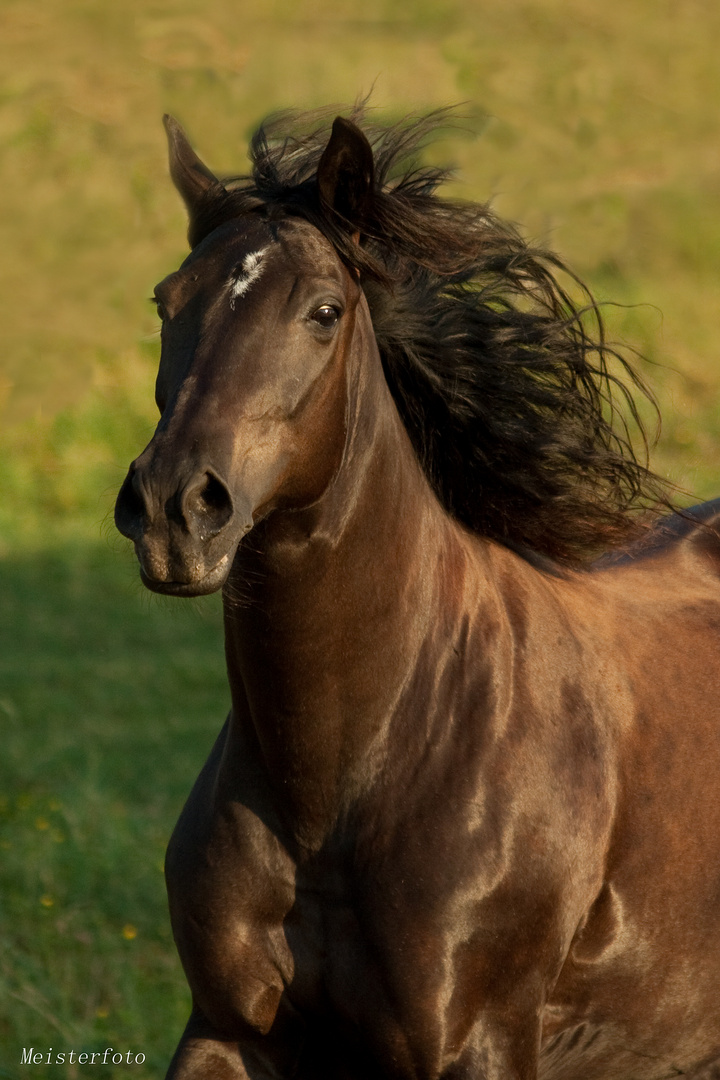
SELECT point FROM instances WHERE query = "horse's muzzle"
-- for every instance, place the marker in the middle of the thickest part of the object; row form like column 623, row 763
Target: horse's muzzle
column 185, row 531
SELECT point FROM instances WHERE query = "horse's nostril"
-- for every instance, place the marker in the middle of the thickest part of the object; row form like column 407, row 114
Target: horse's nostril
column 215, row 495
column 212, row 504
column 130, row 507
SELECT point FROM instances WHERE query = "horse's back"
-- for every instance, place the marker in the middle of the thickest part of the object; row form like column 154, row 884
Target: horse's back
column 695, row 530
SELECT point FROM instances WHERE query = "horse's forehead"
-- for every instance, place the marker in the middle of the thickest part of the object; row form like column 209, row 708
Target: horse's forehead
column 242, row 252
column 226, row 247
column 302, row 242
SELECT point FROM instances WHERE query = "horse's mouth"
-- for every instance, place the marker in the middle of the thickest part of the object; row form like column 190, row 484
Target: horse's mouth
column 208, row 583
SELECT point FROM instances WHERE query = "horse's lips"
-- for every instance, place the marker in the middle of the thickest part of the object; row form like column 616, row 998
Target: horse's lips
column 210, row 583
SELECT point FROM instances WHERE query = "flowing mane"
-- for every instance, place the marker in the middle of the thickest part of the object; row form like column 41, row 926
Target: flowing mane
column 514, row 401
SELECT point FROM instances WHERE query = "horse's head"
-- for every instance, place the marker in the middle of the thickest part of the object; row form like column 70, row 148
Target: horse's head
column 257, row 327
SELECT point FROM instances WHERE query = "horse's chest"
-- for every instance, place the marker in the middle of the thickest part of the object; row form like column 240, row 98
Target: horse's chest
column 366, row 971
column 335, row 965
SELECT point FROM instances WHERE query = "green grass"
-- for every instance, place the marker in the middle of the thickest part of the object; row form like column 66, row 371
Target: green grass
column 600, row 135
column 110, row 702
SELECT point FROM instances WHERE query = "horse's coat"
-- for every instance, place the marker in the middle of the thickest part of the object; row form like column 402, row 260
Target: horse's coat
column 463, row 820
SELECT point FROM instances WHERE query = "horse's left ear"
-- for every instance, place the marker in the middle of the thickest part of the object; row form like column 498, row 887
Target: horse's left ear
column 345, row 173
column 192, row 179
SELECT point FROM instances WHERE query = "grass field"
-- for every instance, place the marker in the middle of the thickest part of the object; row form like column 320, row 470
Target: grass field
column 109, row 701
column 599, row 133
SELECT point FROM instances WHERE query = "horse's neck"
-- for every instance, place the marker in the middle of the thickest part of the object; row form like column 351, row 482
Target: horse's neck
column 341, row 598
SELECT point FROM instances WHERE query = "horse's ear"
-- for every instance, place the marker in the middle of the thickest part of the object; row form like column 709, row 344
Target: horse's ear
column 345, row 173
column 192, row 179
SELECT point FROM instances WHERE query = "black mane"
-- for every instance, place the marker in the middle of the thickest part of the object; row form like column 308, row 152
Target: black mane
column 506, row 385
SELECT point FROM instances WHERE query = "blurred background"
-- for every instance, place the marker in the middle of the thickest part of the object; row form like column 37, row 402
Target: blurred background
column 600, row 134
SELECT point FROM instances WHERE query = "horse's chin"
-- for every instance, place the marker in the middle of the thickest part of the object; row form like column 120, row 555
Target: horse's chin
column 202, row 586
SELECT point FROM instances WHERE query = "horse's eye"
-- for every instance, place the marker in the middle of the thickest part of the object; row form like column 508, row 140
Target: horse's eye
column 160, row 311
column 326, row 316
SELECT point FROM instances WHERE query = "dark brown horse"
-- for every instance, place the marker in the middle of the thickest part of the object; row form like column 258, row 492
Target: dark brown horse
column 463, row 820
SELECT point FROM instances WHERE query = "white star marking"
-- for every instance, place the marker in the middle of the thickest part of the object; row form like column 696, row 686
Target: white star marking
column 248, row 273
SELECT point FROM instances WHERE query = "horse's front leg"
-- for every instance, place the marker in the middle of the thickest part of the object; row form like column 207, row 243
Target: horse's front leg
column 204, row 1053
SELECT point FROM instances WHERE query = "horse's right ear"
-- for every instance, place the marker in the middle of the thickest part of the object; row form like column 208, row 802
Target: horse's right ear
column 192, row 179
column 345, row 174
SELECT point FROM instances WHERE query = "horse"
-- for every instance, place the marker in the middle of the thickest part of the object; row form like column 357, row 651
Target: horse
column 463, row 819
